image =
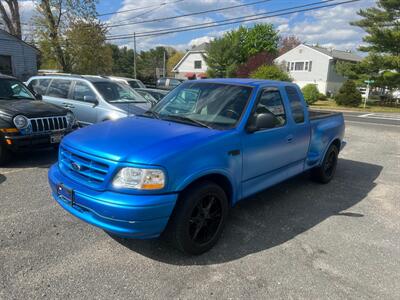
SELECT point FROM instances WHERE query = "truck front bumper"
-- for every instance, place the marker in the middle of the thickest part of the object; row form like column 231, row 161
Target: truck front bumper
column 124, row 215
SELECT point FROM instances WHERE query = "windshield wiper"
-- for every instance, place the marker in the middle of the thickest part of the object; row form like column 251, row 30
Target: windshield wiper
column 188, row 120
column 150, row 113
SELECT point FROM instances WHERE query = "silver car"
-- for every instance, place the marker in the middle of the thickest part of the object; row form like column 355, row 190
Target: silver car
column 91, row 98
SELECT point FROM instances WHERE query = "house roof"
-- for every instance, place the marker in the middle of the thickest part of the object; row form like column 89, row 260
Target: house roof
column 338, row 54
column 19, row 40
column 200, row 48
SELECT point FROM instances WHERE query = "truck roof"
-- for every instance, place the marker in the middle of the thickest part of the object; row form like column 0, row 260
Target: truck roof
column 247, row 81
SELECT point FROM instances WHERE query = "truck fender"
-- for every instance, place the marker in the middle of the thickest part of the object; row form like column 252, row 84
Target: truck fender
column 204, row 173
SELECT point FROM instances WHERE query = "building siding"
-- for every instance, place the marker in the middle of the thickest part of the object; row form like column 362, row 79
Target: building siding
column 23, row 56
column 187, row 65
column 319, row 71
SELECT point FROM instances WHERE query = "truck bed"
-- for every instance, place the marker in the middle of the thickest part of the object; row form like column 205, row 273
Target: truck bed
column 319, row 114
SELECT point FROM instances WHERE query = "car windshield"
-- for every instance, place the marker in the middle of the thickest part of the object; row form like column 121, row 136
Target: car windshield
column 136, row 84
column 115, row 92
column 12, row 89
column 213, row 105
column 157, row 94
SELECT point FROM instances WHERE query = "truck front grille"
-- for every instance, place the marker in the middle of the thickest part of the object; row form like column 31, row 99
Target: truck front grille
column 83, row 168
column 46, row 124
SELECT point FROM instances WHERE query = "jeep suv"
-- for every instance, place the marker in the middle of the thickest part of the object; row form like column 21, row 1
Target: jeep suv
column 91, row 98
column 26, row 122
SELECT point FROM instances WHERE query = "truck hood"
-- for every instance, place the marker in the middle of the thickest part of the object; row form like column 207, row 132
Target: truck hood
column 30, row 108
column 138, row 139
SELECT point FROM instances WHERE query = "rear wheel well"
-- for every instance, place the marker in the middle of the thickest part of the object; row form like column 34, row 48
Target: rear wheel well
column 337, row 143
column 218, row 179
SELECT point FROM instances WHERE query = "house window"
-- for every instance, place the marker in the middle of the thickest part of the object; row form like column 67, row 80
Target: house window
column 288, row 67
column 5, row 65
column 306, row 66
column 309, row 66
column 291, row 66
column 299, row 66
column 197, row 64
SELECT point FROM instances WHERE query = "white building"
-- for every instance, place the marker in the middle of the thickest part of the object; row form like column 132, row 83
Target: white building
column 192, row 65
column 311, row 64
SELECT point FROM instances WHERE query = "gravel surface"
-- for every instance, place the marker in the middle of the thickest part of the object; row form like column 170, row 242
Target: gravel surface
column 297, row 240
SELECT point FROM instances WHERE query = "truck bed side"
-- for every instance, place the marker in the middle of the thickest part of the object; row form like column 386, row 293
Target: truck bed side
column 326, row 128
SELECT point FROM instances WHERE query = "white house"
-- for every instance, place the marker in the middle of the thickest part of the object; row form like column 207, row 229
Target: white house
column 312, row 64
column 192, row 65
column 17, row 58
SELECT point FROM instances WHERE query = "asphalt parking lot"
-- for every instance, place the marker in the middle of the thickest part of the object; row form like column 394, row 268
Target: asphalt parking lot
column 296, row 240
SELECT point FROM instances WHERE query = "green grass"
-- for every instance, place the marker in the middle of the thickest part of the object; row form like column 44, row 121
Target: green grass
column 331, row 104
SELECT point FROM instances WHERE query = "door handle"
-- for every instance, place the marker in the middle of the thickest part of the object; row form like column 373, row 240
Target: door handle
column 289, row 138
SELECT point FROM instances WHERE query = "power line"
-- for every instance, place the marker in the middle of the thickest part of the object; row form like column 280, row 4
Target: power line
column 139, row 8
column 247, row 18
column 227, row 20
column 189, row 14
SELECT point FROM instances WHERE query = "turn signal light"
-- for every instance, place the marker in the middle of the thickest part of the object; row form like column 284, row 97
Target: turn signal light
column 9, row 130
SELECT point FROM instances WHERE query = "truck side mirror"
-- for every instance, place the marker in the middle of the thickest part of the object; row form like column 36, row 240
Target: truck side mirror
column 261, row 121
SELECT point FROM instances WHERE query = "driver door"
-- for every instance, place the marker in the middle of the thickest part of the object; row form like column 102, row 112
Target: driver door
column 85, row 112
column 265, row 152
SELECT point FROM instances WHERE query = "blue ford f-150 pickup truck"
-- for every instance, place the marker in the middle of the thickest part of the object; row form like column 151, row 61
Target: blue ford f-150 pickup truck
column 178, row 168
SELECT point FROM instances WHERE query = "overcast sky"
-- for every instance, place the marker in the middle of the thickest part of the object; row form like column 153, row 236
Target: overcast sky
column 328, row 27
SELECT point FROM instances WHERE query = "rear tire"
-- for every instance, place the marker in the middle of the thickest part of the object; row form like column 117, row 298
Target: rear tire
column 199, row 218
column 325, row 172
column 4, row 154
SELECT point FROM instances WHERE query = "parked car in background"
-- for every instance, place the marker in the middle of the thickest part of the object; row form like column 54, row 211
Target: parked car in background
column 154, row 93
column 166, row 83
column 180, row 166
column 27, row 122
column 91, row 98
column 133, row 83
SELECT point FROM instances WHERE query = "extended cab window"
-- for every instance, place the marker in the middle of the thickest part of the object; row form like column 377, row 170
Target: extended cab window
column 295, row 104
column 82, row 90
column 59, row 88
column 271, row 102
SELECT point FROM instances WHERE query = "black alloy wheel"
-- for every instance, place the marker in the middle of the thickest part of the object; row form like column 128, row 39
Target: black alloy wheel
column 199, row 218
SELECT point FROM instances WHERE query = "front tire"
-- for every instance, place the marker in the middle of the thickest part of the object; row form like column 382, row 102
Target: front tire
column 199, row 218
column 325, row 172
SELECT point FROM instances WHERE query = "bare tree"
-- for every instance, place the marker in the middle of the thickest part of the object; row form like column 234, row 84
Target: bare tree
column 11, row 17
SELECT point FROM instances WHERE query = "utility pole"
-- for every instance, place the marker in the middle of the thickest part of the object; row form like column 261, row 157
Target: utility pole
column 164, row 65
column 134, row 50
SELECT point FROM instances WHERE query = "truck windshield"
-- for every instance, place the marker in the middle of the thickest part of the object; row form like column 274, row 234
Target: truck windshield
column 114, row 92
column 213, row 105
column 11, row 89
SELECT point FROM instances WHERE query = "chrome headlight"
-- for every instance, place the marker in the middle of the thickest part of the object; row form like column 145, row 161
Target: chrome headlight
column 139, row 179
column 21, row 122
column 71, row 120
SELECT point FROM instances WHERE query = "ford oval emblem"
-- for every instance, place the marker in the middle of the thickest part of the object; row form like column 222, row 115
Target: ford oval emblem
column 75, row 166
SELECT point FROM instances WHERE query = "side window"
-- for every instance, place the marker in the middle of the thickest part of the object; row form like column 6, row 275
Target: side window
column 271, row 102
column 59, row 88
column 39, row 86
column 82, row 90
column 295, row 104
column 162, row 81
column 134, row 84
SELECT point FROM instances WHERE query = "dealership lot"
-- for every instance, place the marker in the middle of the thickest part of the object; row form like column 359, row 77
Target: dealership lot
column 296, row 240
